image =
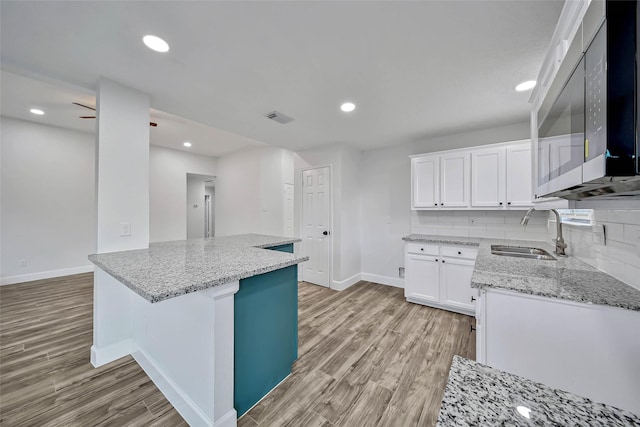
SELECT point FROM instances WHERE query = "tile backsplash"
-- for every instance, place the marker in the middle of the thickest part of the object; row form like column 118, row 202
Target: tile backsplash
column 494, row 224
column 616, row 251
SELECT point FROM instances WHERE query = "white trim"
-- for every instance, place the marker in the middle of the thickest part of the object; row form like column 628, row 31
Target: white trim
column 10, row 280
column 383, row 280
column 468, row 312
column 104, row 355
column 463, row 149
column 230, row 419
column 346, row 283
column 186, row 407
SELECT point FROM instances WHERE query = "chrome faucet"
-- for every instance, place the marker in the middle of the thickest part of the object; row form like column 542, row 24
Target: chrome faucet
column 559, row 241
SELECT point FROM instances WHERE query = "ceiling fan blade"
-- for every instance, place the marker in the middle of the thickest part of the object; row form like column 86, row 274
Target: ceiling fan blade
column 85, row 106
column 87, row 117
column 152, row 124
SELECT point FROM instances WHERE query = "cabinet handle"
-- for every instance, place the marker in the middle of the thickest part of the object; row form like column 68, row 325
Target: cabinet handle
column 436, row 259
column 443, row 261
column 472, row 328
column 422, row 249
column 473, row 298
column 441, row 204
column 509, row 203
column 459, row 253
column 435, row 204
column 500, row 203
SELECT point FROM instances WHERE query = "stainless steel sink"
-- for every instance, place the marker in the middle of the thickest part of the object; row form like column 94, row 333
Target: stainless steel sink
column 522, row 252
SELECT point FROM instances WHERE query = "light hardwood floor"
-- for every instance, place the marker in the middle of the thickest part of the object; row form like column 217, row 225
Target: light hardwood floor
column 46, row 378
column 366, row 358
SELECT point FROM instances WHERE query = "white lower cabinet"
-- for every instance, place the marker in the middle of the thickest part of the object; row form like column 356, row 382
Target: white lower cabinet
column 586, row 349
column 440, row 276
column 455, row 279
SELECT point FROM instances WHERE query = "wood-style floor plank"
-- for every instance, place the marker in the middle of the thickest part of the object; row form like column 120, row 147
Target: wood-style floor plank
column 366, row 357
column 46, row 378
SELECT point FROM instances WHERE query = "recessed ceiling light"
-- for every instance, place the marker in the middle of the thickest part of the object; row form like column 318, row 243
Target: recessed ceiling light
column 524, row 411
column 156, row 43
column 187, row 144
column 36, row 111
column 348, row 107
column 529, row 84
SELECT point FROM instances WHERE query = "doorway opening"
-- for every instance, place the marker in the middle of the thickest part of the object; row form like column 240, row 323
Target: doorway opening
column 201, row 191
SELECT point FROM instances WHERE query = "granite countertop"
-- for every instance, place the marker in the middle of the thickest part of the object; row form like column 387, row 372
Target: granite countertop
column 169, row 269
column 567, row 278
column 477, row 394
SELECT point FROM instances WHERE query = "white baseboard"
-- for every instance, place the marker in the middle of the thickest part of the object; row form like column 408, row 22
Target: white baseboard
column 230, row 419
column 104, row 355
column 344, row 284
column 10, row 280
column 383, row 280
column 186, row 407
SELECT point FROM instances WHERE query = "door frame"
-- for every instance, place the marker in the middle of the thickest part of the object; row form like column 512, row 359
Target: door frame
column 301, row 224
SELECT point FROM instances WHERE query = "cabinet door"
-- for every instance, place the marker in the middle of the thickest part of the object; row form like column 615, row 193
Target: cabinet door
column 456, row 283
column 422, row 278
column 425, row 182
column 455, row 180
column 487, row 178
column 519, row 176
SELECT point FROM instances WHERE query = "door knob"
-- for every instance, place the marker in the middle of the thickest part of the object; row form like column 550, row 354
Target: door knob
column 326, row 233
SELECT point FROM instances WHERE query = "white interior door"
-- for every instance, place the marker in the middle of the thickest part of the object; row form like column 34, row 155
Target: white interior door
column 316, row 216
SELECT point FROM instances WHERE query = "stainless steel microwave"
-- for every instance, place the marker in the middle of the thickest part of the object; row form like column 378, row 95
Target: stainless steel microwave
column 588, row 134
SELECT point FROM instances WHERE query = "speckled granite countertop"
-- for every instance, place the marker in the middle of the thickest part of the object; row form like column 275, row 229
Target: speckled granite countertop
column 566, row 278
column 477, row 395
column 169, row 269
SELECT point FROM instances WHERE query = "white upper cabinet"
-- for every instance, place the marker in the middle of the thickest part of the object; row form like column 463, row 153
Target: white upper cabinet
column 425, row 182
column 518, row 177
column 488, row 177
column 454, row 190
column 492, row 177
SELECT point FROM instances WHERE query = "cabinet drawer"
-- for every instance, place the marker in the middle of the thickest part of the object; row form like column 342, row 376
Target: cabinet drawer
column 422, row 249
column 466, row 252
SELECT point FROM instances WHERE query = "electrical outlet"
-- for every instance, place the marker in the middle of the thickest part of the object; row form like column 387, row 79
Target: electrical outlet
column 599, row 236
column 125, row 229
column 22, row 263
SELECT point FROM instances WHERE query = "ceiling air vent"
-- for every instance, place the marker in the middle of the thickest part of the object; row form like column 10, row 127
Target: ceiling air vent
column 279, row 117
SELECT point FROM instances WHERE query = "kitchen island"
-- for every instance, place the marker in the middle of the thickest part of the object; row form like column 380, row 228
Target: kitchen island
column 190, row 312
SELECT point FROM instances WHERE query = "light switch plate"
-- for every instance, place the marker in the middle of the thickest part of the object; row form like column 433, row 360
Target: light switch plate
column 125, row 229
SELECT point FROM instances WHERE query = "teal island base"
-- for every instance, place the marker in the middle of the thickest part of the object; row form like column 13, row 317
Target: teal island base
column 265, row 334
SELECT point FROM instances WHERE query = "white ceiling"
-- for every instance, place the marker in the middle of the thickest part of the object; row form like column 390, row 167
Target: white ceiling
column 414, row 69
column 20, row 94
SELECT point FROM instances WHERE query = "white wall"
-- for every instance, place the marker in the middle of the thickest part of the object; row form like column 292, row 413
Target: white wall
column 195, row 207
column 620, row 256
column 386, row 201
column 122, row 167
column 250, row 191
column 168, row 171
column 48, row 203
